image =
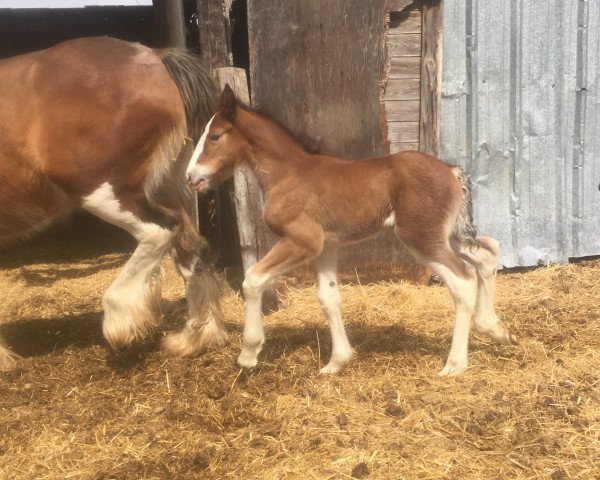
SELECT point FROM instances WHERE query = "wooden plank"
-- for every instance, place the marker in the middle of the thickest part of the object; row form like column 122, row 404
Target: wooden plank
column 169, row 23
column 213, row 28
column 431, row 76
column 404, row 67
column 407, row 21
column 401, row 132
column 404, row 44
column 402, row 111
column 402, row 89
column 399, row 5
column 403, row 146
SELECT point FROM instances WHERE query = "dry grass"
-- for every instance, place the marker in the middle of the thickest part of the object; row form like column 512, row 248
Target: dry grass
column 74, row 410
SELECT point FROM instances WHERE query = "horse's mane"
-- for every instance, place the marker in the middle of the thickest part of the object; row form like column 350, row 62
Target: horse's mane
column 307, row 143
column 196, row 87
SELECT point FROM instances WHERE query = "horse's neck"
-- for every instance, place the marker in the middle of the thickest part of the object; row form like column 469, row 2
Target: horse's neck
column 275, row 153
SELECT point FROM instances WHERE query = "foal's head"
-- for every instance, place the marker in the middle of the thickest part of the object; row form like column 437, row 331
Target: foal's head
column 220, row 148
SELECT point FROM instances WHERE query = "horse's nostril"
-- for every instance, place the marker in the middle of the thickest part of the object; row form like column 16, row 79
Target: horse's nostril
column 189, row 178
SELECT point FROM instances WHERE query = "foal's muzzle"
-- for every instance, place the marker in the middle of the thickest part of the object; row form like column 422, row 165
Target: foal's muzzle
column 198, row 178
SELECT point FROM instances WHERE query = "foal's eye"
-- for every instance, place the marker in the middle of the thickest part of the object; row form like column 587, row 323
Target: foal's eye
column 214, row 137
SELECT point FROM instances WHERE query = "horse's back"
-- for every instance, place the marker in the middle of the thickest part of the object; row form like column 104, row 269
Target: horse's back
column 76, row 115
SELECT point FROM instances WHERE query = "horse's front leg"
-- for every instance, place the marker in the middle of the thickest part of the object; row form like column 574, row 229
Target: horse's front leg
column 285, row 255
column 204, row 327
column 329, row 297
column 131, row 303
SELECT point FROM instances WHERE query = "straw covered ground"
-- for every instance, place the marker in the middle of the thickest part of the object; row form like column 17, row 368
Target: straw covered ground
column 74, row 410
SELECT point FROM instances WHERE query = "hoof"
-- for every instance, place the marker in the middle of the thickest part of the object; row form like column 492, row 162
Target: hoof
column 247, row 360
column 452, row 370
column 331, row 369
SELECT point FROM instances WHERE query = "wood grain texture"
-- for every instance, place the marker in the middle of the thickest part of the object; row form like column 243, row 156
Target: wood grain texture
column 396, row 147
column 403, row 132
column 404, row 67
column 406, row 21
column 404, row 44
column 402, row 111
column 431, row 76
column 213, row 28
column 399, row 5
column 403, row 89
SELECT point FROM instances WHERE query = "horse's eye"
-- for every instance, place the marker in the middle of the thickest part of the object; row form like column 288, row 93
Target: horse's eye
column 214, row 137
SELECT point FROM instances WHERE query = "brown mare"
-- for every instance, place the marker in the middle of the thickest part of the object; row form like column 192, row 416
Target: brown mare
column 316, row 203
column 108, row 126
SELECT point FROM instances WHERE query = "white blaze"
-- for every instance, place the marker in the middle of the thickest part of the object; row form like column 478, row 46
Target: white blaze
column 200, row 147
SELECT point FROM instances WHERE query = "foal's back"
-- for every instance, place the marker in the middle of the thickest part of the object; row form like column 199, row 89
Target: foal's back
column 355, row 199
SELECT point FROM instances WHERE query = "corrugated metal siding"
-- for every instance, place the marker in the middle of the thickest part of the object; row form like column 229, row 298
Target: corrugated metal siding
column 521, row 112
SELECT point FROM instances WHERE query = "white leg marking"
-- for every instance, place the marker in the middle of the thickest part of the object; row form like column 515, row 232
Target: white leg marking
column 331, row 303
column 204, row 327
column 390, row 220
column 130, row 303
column 463, row 294
column 254, row 335
column 485, row 261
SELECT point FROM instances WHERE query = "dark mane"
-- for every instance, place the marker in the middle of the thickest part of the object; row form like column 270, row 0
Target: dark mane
column 308, row 144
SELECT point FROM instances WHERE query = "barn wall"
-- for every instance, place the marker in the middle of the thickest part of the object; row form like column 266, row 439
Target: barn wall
column 521, row 111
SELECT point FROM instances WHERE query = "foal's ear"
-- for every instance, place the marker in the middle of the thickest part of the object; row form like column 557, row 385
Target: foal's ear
column 228, row 103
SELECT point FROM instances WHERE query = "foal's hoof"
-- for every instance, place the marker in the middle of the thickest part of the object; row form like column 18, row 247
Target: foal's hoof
column 247, row 360
column 331, row 369
column 513, row 339
column 452, row 370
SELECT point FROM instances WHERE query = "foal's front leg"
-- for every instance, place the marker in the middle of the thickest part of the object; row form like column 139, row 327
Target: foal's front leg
column 285, row 255
column 331, row 303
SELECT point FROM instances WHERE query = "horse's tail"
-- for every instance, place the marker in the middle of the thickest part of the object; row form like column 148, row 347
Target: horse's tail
column 196, row 86
column 464, row 230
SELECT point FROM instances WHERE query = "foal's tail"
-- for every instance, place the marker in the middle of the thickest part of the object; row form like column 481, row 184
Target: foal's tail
column 464, row 230
column 196, row 86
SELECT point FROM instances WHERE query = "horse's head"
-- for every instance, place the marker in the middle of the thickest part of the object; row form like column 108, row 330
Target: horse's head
column 220, row 148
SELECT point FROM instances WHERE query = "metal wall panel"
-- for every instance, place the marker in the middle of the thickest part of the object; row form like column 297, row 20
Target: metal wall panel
column 521, row 112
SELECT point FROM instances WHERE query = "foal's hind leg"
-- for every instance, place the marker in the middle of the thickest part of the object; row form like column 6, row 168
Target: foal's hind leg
column 484, row 258
column 462, row 283
column 331, row 303
column 204, row 327
column 131, row 302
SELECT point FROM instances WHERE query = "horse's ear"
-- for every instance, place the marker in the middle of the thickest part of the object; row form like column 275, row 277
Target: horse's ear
column 228, row 103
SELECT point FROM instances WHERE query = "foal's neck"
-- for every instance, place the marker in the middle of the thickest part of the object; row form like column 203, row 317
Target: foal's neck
column 274, row 152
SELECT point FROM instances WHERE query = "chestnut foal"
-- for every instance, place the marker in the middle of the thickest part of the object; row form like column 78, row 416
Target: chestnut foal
column 316, row 203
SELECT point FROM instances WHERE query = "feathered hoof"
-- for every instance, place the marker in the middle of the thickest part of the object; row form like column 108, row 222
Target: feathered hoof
column 192, row 341
column 8, row 360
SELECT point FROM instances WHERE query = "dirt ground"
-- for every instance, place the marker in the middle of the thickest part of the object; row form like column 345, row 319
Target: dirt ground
column 73, row 409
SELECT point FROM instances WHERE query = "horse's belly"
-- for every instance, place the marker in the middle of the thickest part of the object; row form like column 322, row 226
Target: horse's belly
column 29, row 201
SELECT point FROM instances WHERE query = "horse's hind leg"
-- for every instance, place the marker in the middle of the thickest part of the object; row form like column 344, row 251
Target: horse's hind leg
column 204, row 327
column 131, row 303
column 8, row 359
column 462, row 283
column 484, row 258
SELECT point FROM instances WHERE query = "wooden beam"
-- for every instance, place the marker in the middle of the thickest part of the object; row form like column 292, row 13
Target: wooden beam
column 169, row 23
column 215, row 34
column 399, row 5
column 247, row 196
column 431, row 76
